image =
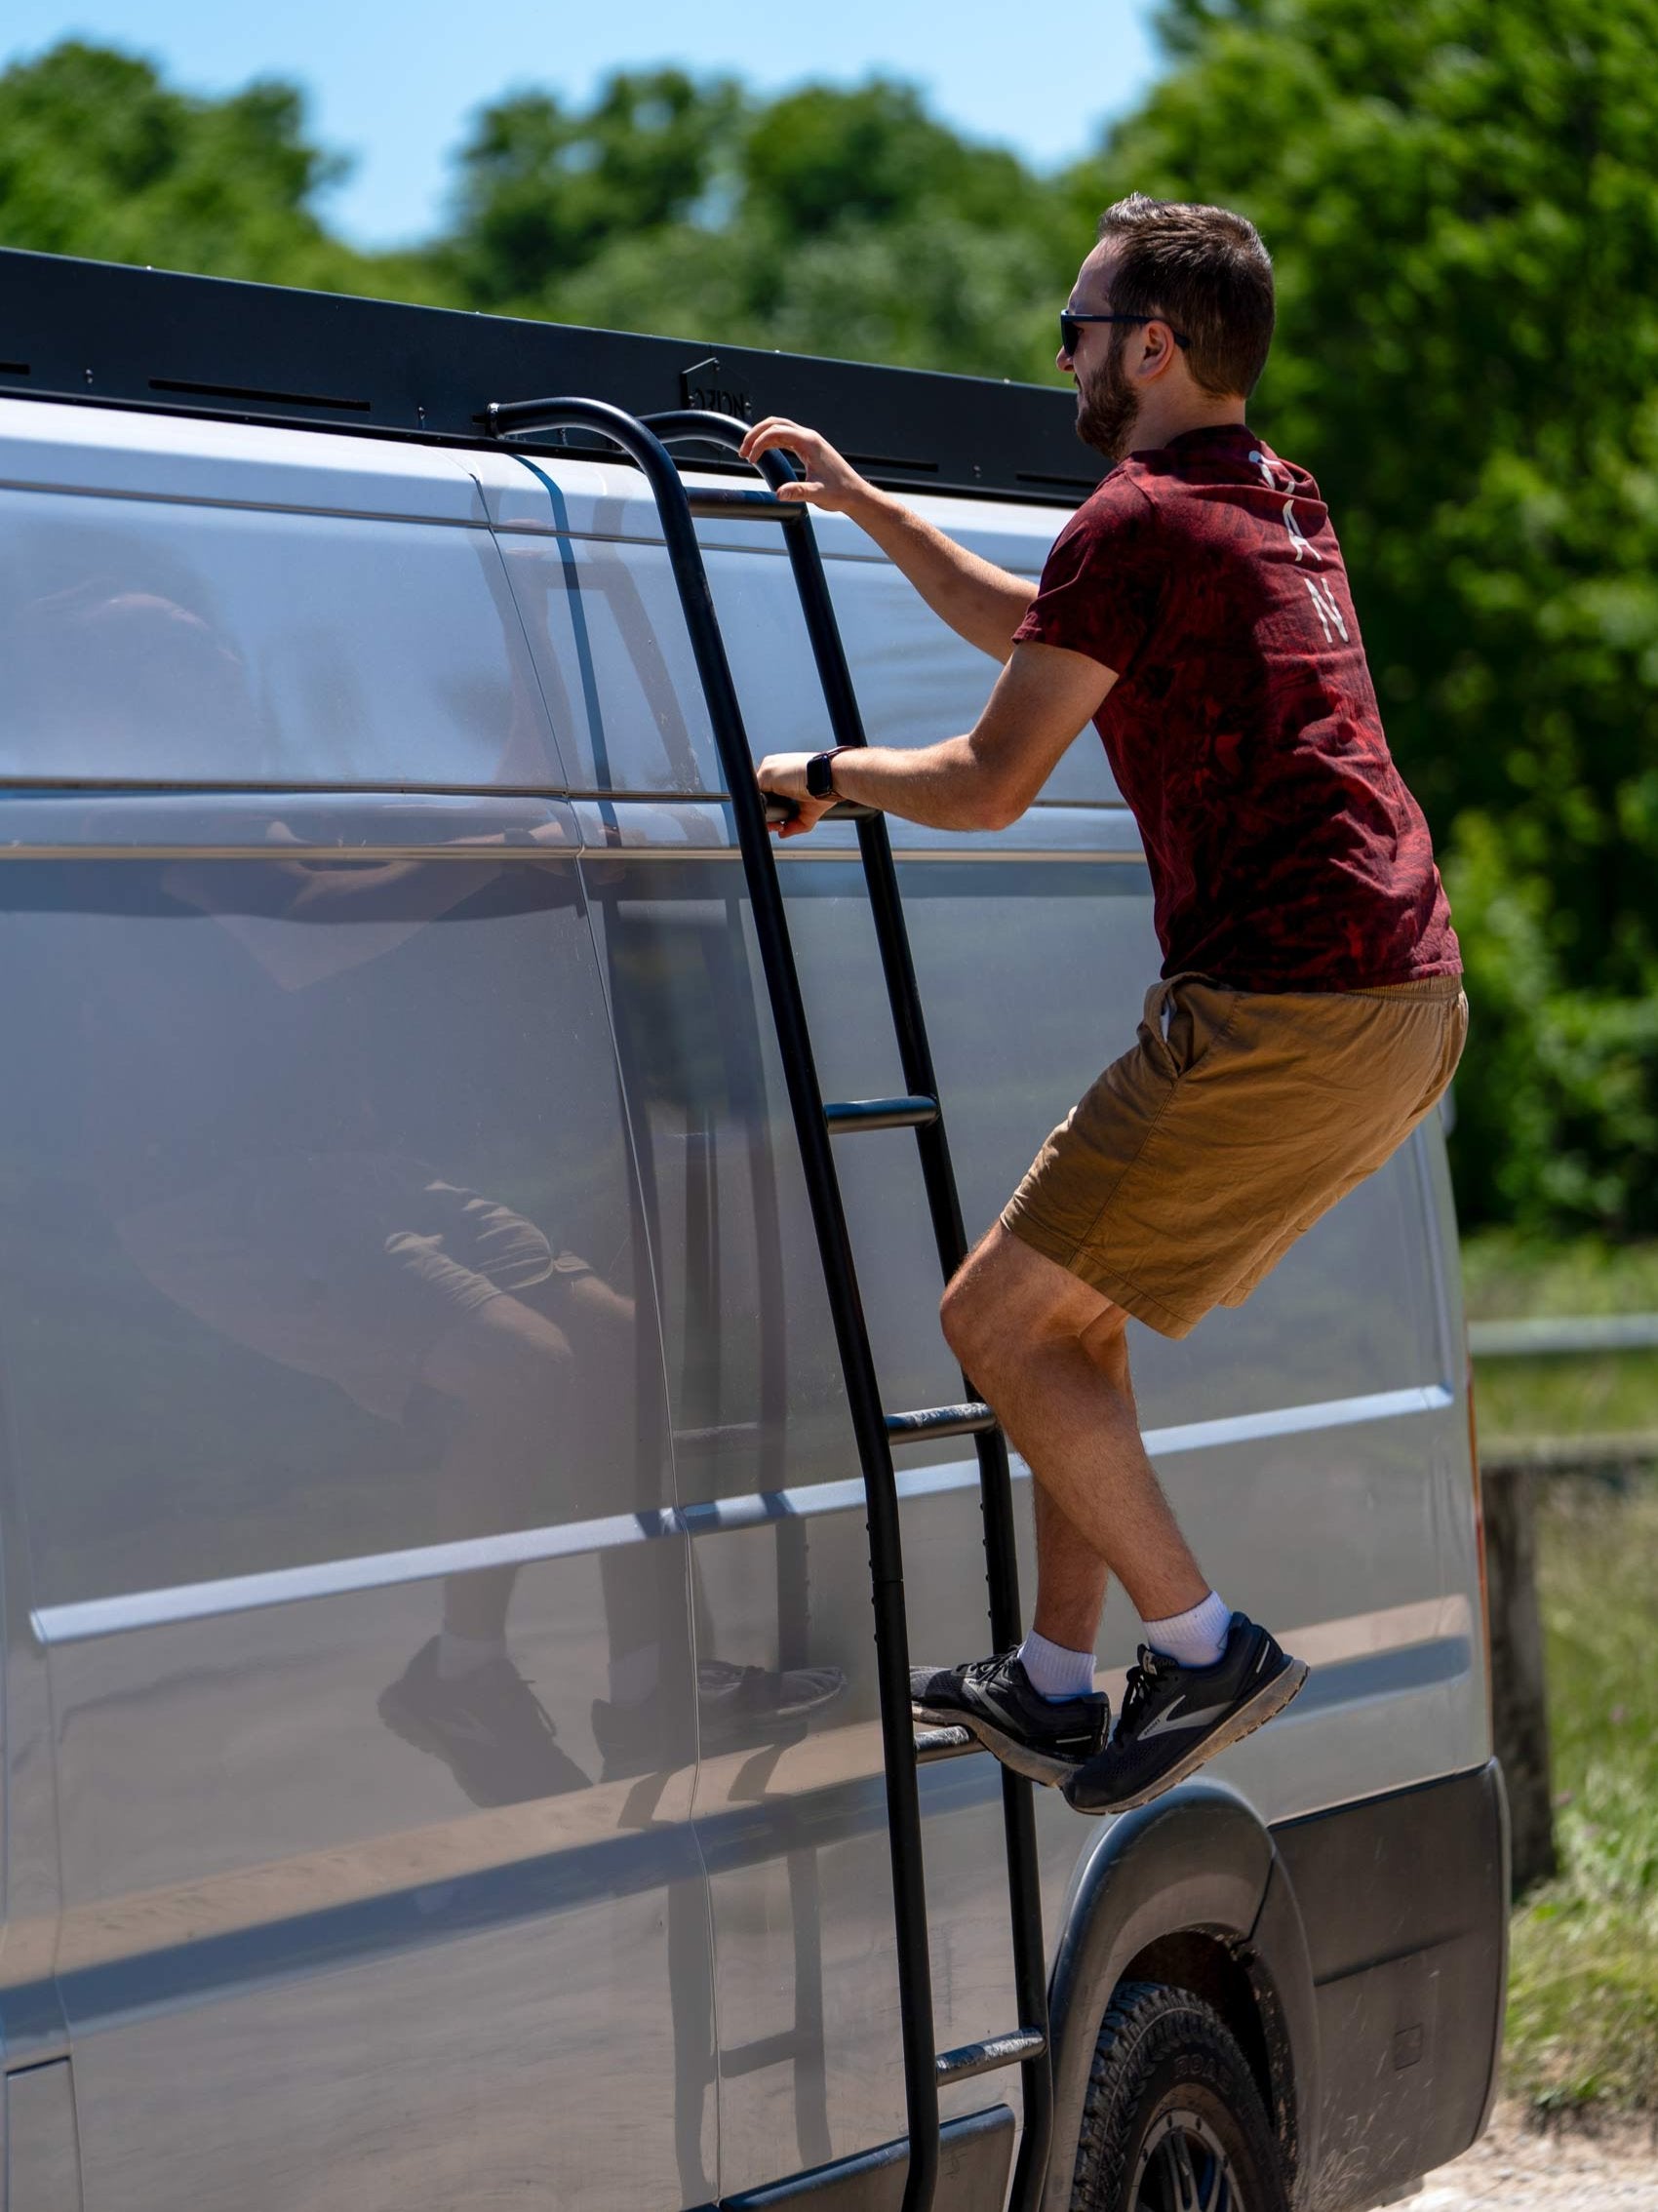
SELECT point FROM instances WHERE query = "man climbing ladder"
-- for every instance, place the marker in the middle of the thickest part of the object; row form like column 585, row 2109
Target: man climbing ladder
column 1309, row 1013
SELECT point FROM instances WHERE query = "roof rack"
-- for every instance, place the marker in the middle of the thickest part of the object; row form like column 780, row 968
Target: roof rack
column 102, row 333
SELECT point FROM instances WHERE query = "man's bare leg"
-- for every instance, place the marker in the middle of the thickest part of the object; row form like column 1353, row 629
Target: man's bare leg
column 1071, row 1578
column 1048, row 1353
column 507, row 1369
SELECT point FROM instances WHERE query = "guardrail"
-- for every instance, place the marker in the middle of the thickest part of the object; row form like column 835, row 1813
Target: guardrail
column 1547, row 1334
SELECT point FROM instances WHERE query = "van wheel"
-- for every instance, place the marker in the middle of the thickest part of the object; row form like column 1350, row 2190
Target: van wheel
column 1173, row 2121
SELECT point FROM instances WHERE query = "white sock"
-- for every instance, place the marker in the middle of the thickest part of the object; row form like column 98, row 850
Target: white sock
column 634, row 1675
column 1056, row 1673
column 1195, row 1639
column 461, row 1655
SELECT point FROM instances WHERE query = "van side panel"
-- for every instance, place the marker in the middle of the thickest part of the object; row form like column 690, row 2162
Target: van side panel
column 149, row 642
column 1405, row 1902
column 326, row 1319
column 340, row 1298
column 611, row 647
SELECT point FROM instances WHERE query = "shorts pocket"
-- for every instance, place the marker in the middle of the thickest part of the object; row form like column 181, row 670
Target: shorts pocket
column 1454, row 1038
column 1200, row 1014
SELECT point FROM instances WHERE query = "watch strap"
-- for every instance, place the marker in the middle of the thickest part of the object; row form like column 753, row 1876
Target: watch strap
column 821, row 776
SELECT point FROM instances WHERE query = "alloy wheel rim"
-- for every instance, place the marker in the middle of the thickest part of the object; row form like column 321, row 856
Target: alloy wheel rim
column 1183, row 2167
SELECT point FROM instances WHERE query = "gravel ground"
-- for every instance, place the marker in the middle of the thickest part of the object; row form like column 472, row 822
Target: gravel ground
column 1513, row 2167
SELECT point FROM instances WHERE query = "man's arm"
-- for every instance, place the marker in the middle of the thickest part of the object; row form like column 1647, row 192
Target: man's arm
column 981, row 602
column 984, row 781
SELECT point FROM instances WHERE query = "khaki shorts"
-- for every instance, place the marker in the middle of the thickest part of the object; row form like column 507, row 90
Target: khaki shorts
column 1191, row 1166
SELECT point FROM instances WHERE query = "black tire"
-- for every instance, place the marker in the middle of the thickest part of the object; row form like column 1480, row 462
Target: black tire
column 1173, row 2121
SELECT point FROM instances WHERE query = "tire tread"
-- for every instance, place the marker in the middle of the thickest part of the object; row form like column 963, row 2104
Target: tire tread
column 1146, row 2024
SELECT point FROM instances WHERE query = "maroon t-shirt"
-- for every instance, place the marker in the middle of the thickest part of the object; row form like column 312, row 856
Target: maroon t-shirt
column 1285, row 852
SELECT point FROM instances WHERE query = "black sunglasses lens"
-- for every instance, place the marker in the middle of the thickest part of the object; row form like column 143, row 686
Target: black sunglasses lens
column 1068, row 333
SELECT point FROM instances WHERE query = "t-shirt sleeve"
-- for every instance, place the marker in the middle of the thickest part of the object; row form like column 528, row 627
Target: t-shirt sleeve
column 1102, row 583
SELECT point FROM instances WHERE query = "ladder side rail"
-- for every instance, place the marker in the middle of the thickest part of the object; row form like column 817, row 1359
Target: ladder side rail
column 845, row 721
column 691, row 578
column 903, row 991
column 996, row 1490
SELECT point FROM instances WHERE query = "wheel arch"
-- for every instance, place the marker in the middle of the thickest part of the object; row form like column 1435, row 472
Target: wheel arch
column 1186, row 1890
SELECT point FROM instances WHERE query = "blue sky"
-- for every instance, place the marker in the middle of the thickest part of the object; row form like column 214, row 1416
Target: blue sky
column 393, row 84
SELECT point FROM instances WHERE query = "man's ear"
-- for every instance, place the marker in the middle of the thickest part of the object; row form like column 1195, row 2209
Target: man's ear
column 1157, row 351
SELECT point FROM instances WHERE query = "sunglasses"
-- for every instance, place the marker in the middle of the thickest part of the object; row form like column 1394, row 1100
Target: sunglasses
column 1070, row 327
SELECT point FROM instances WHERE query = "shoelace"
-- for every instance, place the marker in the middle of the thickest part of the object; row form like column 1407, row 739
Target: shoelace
column 1142, row 1680
column 541, row 1720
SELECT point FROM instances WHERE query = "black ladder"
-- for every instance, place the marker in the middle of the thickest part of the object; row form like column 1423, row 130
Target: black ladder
column 645, row 441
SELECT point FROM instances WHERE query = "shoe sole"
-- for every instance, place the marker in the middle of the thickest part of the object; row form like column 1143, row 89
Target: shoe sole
column 409, row 1728
column 1266, row 1705
column 407, row 1725
column 1023, row 1759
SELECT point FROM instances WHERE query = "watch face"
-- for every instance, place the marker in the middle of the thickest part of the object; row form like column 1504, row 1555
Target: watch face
column 820, row 776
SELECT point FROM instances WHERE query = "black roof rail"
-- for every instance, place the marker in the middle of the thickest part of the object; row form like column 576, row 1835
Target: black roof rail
column 102, row 333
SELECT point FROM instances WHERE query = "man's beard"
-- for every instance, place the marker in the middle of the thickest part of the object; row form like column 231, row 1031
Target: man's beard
column 1107, row 409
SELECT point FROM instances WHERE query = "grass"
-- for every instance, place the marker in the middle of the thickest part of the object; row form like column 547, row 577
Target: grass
column 1583, row 1994
column 1562, row 1395
column 1583, row 1990
column 1505, row 1278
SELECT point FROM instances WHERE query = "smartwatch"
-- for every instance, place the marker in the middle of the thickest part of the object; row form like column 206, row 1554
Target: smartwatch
column 821, row 776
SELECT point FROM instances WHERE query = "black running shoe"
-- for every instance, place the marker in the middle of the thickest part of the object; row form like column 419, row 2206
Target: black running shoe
column 1175, row 1717
column 488, row 1729
column 735, row 1706
column 1044, row 1738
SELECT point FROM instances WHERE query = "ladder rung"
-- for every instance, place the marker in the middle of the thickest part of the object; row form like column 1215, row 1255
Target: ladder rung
column 769, row 2050
column 962, row 2064
column 940, row 1421
column 716, row 1438
column 913, row 1111
column 933, row 1744
column 744, row 506
column 842, row 811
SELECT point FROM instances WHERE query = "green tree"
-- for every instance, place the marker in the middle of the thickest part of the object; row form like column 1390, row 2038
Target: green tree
column 832, row 221
column 544, row 189
column 1462, row 205
column 98, row 157
column 824, row 157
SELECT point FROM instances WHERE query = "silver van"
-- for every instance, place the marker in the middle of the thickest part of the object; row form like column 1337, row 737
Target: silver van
column 443, row 1760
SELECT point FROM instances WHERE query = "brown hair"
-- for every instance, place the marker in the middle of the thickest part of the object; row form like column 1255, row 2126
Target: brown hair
column 1205, row 271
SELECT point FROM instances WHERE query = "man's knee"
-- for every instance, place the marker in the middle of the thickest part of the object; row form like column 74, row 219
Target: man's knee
column 987, row 1313
column 958, row 1312
column 1005, row 1301
column 1105, row 1340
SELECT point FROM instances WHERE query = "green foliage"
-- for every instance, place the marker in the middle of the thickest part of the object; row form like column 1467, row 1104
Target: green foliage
column 1463, row 210
column 820, row 159
column 98, row 158
column 843, row 222
column 1557, row 1107
column 546, row 190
